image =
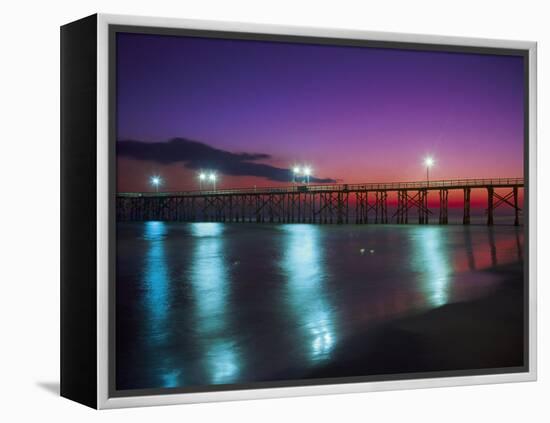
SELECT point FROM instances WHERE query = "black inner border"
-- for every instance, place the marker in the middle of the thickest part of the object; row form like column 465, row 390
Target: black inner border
column 112, row 53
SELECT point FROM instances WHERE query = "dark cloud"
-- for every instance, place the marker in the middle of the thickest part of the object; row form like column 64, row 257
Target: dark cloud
column 197, row 155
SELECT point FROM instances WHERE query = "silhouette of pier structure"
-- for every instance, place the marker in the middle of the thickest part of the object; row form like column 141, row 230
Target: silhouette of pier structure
column 316, row 203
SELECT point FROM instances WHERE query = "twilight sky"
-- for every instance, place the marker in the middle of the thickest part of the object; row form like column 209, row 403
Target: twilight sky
column 252, row 109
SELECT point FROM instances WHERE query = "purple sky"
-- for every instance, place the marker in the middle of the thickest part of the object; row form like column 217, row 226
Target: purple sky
column 354, row 114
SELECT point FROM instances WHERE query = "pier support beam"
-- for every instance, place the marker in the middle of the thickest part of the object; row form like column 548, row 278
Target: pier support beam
column 400, row 207
column 406, row 211
column 340, row 209
column 490, row 205
column 443, row 206
column 385, row 206
column 420, row 207
column 381, row 207
column 426, row 214
column 402, row 212
column 423, row 211
column 467, row 194
column 516, row 208
column 377, row 210
column 361, row 207
column 342, row 212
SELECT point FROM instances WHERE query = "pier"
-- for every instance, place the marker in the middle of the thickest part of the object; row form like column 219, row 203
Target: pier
column 322, row 204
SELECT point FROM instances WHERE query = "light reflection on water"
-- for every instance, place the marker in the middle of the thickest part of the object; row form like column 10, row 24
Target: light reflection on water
column 156, row 281
column 210, row 280
column 155, row 277
column 298, row 292
column 303, row 264
column 431, row 261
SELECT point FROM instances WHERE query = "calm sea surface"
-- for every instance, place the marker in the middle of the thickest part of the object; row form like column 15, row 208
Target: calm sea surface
column 215, row 303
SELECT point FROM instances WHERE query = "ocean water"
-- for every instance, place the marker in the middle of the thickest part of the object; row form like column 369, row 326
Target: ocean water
column 223, row 303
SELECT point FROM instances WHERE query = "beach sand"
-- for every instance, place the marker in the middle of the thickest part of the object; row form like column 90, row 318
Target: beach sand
column 481, row 334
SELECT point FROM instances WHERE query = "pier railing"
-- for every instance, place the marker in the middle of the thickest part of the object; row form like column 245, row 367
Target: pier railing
column 318, row 188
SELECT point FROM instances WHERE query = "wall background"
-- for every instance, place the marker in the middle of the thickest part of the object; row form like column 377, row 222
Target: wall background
column 29, row 212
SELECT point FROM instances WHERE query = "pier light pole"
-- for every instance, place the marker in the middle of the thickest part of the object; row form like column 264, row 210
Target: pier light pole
column 202, row 177
column 429, row 162
column 212, row 178
column 307, row 173
column 295, row 172
column 156, row 181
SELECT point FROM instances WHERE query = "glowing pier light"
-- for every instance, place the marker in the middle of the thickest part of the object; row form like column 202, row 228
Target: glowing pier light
column 212, row 177
column 295, row 172
column 202, row 177
column 304, row 171
column 156, row 181
column 307, row 173
column 429, row 162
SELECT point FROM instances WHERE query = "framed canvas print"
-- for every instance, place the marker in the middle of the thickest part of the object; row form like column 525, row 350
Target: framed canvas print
column 253, row 211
